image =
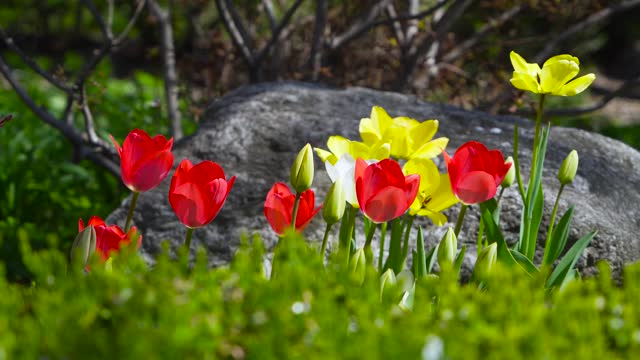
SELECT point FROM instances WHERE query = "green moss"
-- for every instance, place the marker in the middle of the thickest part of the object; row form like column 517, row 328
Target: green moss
column 305, row 311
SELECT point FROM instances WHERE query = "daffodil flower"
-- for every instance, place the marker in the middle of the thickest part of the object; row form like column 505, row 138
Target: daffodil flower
column 339, row 146
column 434, row 194
column 408, row 137
column 554, row 78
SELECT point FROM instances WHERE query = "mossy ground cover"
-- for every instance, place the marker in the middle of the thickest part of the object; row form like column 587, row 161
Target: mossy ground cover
column 305, row 310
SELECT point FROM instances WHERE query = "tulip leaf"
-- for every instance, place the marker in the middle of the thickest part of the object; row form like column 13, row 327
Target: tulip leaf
column 516, row 162
column 394, row 259
column 534, row 204
column 459, row 260
column 495, row 235
column 524, row 262
column 558, row 238
column 564, row 269
column 419, row 257
column 432, row 258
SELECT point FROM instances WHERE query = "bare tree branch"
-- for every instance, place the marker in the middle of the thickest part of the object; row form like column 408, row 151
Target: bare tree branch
column 315, row 56
column 170, row 74
column 359, row 27
column 234, row 30
column 592, row 20
column 396, row 25
column 131, row 23
column 276, row 34
column 32, row 64
column 106, row 30
column 590, row 108
column 430, row 44
column 271, row 15
column 492, row 24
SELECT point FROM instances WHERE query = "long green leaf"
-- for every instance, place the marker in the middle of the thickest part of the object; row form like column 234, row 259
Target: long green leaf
column 524, row 262
column 568, row 262
column 516, row 162
column 394, row 259
column 558, row 238
column 420, row 258
column 432, row 258
column 457, row 265
column 495, row 235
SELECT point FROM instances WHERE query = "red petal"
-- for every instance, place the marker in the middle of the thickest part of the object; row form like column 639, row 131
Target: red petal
column 387, row 204
column 411, row 188
column 476, row 187
column 393, row 172
column 150, row 172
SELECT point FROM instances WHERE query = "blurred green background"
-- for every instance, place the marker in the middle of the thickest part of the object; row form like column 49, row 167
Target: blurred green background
column 43, row 190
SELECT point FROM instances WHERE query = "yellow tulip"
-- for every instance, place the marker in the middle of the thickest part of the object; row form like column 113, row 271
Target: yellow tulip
column 434, row 193
column 408, row 137
column 339, row 146
column 554, row 78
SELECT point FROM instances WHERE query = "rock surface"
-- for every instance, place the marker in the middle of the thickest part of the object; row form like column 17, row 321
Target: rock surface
column 256, row 131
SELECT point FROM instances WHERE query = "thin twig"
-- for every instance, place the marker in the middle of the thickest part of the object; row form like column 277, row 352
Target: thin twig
column 89, row 124
column 106, row 30
column 233, row 28
column 396, row 25
column 276, row 34
column 492, row 24
column 131, row 23
column 170, row 74
column 593, row 107
column 360, row 27
column 271, row 15
column 32, row 64
column 592, row 20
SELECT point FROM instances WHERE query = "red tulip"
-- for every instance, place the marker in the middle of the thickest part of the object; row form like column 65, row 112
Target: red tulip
column 144, row 161
column 279, row 206
column 476, row 172
column 384, row 192
column 109, row 237
column 197, row 193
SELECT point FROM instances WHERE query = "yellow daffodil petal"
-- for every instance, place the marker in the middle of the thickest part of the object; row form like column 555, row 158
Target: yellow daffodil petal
column 373, row 128
column 438, row 219
column 524, row 81
column 576, row 86
column 557, row 58
column 325, row 156
column 338, row 145
column 556, row 74
column 428, row 171
column 442, row 198
column 431, row 149
column 423, row 132
column 381, row 151
column 522, row 66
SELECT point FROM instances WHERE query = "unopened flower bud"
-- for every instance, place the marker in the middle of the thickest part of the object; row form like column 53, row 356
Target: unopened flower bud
column 487, row 258
column 569, row 168
column 334, row 204
column 84, row 245
column 358, row 265
column 448, row 248
column 302, row 170
column 511, row 174
column 388, row 281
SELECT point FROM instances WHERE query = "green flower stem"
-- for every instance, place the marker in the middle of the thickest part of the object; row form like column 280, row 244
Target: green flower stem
column 480, row 237
column 325, row 238
column 463, row 211
column 405, row 244
column 187, row 240
column 552, row 223
column 294, row 214
column 383, row 233
column 132, row 207
column 500, row 196
column 536, row 139
column 367, row 245
column 516, row 162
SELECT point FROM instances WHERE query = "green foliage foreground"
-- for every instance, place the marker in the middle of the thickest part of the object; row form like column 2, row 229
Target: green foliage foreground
column 306, row 311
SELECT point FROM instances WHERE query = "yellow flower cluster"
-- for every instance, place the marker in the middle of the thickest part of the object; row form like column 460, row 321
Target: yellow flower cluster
column 402, row 138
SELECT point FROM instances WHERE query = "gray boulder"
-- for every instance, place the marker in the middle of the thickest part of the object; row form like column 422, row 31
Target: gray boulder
column 256, row 131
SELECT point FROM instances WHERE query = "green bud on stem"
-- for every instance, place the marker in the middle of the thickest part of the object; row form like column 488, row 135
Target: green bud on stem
column 334, row 204
column 569, row 168
column 302, row 170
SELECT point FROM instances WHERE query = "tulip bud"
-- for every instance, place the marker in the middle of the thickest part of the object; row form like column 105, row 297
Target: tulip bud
column 358, row 265
column 448, row 248
column 84, row 245
column 487, row 258
column 511, row 174
column 387, row 282
column 568, row 168
column 302, row 170
column 334, row 204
